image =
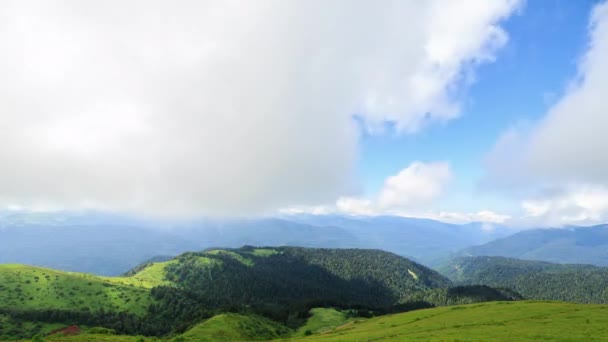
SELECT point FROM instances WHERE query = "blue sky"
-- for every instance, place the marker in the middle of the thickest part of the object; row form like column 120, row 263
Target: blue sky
column 461, row 111
column 530, row 73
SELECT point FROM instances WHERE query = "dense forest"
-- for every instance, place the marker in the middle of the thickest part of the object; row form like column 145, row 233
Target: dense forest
column 534, row 279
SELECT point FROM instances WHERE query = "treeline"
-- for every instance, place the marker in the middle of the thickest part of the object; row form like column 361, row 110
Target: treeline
column 534, row 279
column 120, row 322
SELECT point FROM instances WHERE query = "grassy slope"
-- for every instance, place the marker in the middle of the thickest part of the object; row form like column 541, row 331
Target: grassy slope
column 502, row 321
column 235, row 327
column 148, row 277
column 97, row 338
column 323, row 319
column 26, row 287
column 496, row 321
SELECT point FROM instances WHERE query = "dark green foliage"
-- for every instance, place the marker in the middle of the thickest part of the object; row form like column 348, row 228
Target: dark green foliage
column 285, row 285
column 534, row 279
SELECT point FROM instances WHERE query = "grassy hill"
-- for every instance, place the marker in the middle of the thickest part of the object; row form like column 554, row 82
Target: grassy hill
column 322, row 320
column 534, row 279
column 236, row 327
column 157, row 298
column 495, row 321
column 34, row 288
column 283, row 283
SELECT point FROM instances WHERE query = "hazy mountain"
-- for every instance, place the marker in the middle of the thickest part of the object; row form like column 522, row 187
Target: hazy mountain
column 111, row 244
column 427, row 241
column 576, row 245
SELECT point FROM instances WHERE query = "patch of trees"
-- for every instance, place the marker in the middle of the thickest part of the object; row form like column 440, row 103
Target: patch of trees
column 534, row 279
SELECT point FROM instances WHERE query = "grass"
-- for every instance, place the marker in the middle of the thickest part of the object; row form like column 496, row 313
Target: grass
column 27, row 287
column 243, row 260
column 236, row 327
column 496, row 321
column 100, row 338
column 323, row 319
column 149, row 277
column 264, row 252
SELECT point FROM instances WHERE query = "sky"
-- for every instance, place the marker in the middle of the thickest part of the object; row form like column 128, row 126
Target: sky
column 490, row 111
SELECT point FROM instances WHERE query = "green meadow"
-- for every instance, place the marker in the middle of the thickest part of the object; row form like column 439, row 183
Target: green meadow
column 493, row 321
column 27, row 287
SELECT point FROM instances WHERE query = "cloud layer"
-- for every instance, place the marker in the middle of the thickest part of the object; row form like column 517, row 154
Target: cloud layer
column 220, row 107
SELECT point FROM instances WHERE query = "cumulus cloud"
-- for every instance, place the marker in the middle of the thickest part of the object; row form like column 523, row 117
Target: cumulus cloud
column 415, row 185
column 413, row 188
column 410, row 193
column 220, row 107
column 576, row 204
column 568, row 144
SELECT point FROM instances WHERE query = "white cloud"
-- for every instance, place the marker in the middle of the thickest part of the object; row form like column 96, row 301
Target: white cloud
column 486, row 216
column 576, row 204
column 220, row 107
column 356, row 206
column 415, row 186
column 568, row 145
column 410, row 193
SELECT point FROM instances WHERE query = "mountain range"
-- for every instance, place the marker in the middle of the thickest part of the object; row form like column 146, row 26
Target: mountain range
column 108, row 244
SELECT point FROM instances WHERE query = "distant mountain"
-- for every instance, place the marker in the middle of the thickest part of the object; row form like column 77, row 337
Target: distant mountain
column 427, row 241
column 576, row 245
column 112, row 245
column 533, row 279
column 107, row 244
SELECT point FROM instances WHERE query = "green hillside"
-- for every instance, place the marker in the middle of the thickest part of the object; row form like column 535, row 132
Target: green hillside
column 496, row 321
column 284, row 283
column 322, row 320
column 159, row 298
column 235, row 327
column 34, row 288
column 534, row 279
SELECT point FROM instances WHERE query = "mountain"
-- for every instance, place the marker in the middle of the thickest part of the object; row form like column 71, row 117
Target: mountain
column 111, row 245
column 575, row 245
column 533, row 279
column 281, row 284
column 108, row 244
column 424, row 240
